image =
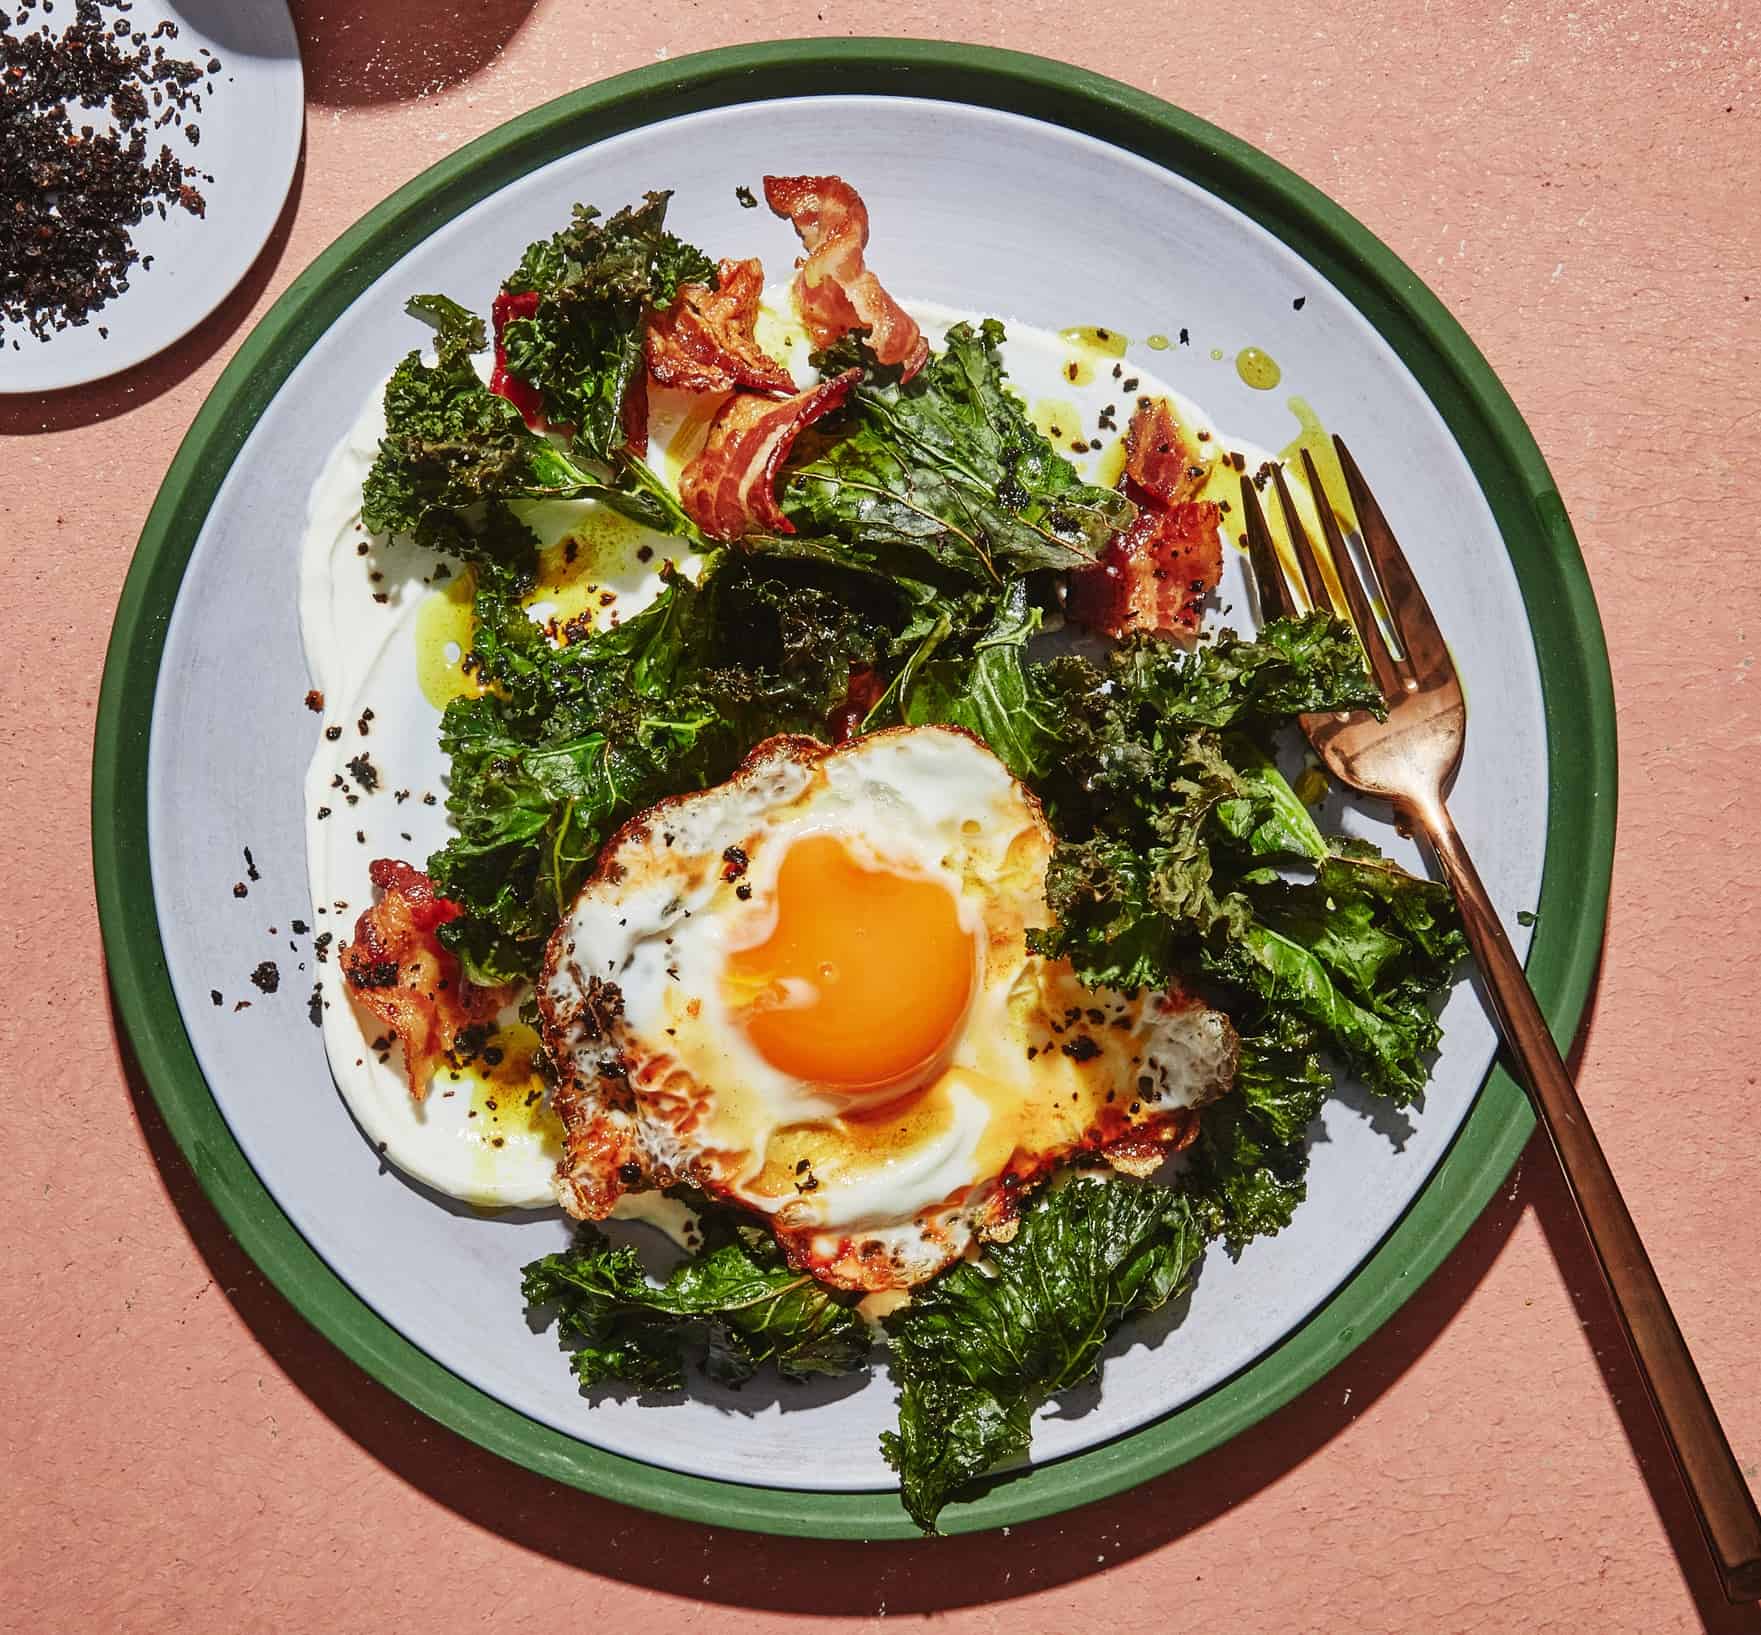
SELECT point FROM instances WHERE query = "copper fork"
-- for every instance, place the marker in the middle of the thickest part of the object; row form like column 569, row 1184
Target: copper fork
column 1408, row 760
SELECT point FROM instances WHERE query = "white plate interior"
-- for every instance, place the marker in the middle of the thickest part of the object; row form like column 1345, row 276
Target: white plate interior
column 976, row 209
column 250, row 143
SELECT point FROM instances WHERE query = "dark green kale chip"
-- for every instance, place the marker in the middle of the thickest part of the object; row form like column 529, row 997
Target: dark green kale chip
column 732, row 1309
column 945, row 477
column 596, row 282
column 978, row 1352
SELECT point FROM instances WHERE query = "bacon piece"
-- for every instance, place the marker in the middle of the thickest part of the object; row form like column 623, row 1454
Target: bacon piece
column 1156, row 456
column 1155, row 575
column 834, row 290
column 502, row 381
column 398, row 970
column 703, row 342
column 726, row 489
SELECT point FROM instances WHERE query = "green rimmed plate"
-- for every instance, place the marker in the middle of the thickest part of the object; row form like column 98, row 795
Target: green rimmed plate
column 996, row 181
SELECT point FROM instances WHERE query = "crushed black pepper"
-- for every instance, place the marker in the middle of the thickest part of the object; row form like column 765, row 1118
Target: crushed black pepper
column 266, row 976
column 70, row 196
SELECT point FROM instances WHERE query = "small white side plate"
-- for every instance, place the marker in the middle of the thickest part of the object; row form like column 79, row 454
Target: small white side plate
column 250, row 125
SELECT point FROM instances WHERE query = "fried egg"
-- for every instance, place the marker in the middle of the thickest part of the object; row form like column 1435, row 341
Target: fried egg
column 808, row 992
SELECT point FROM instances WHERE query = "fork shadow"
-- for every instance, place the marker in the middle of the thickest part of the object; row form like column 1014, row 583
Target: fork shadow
column 744, row 1570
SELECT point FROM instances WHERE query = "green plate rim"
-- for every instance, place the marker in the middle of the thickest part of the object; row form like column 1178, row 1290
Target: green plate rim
column 1578, row 701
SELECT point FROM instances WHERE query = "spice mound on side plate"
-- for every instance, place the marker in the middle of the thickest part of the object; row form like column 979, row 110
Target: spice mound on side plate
column 73, row 188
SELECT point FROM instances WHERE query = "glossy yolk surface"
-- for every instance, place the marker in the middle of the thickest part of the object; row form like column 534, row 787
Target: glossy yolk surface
column 864, row 977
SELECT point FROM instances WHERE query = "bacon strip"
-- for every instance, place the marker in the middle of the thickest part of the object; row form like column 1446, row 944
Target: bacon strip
column 834, row 290
column 502, row 381
column 727, row 489
column 398, row 970
column 1155, row 575
column 703, row 342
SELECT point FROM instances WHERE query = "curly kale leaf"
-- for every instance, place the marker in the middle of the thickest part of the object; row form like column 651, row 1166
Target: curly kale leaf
column 946, row 478
column 1247, row 1172
column 1168, row 826
column 734, row 1309
column 1359, row 950
column 449, row 441
column 596, row 282
column 566, row 743
column 1130, row 909
column 1292, row 667
column 976, row 1354
column 986, row 690
column 452, row 447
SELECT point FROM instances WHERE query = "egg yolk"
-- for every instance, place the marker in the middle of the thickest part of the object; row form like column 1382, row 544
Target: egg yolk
column 864, row 978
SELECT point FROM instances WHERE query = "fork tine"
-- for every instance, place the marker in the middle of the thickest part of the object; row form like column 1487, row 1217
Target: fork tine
column 1369, row 632
column 1314, row 581
column 1409, row 613
column 1276, row 598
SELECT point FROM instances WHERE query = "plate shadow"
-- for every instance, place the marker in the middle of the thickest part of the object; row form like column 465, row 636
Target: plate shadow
column 360, row 52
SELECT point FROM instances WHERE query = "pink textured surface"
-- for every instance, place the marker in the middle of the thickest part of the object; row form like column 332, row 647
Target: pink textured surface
column 1577, row 183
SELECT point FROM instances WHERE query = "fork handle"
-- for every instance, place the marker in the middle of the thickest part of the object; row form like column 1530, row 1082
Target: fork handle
column 1721, row 1496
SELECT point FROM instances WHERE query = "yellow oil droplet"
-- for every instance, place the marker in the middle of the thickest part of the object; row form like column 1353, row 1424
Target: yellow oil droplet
column 1106, row 343
column 1057, row 420
column 1079, row 372
column 1157, row 343
column 1257, row 369
column 571, row 572
column 444, row 625
column 508, row 1093
column 1111, row 465
column 1314, row 438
